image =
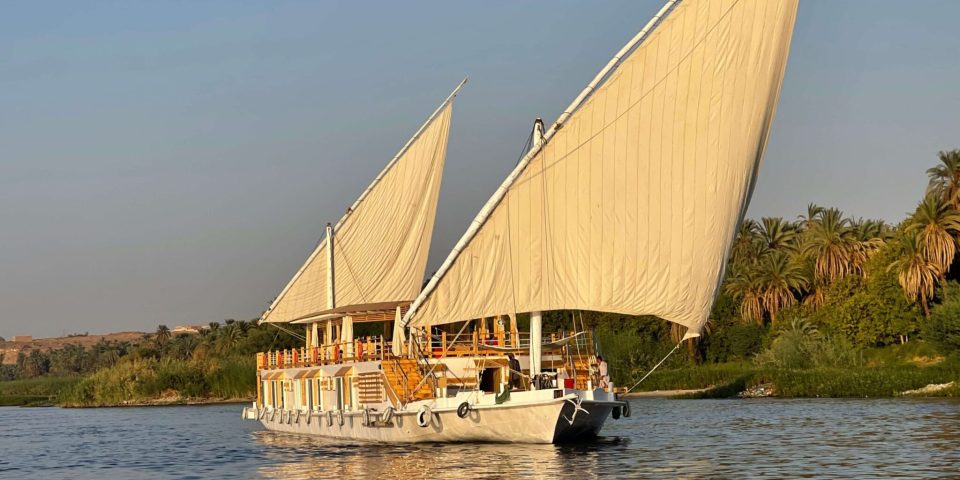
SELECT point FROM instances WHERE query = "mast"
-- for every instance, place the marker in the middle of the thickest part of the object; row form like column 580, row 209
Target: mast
column 522, row 165
column 536, row 317
column 331, row 291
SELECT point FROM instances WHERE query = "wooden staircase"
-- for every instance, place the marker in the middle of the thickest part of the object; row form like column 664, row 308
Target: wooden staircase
column 403, row 375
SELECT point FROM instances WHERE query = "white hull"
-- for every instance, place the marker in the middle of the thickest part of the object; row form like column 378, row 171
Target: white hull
column 544, row 421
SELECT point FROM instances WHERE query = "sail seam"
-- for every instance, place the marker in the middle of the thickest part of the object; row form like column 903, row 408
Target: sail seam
column 514, row 177
column 582, row 99
column 433, row 116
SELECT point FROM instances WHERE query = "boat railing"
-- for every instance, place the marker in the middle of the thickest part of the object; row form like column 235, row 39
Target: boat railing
column 443, row 344
column 359, row 350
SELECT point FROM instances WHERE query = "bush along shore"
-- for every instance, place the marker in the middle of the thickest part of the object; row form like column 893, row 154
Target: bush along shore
column 215, row 365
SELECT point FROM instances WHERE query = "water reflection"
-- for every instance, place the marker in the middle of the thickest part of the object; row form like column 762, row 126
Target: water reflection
column 772, row 438
column 301, row 457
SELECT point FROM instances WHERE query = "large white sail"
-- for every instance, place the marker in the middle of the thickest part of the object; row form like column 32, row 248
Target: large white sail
column 381, row 243
column 633, row 202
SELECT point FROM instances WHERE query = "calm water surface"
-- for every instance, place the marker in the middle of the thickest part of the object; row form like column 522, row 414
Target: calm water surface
column 664, row 438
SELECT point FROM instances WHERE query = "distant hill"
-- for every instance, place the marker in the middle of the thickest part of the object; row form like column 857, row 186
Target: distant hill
column 10, row 349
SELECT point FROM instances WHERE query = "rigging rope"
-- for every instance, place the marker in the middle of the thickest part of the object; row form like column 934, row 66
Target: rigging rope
column 445, row 350
column 656, row 366
column 294, row 335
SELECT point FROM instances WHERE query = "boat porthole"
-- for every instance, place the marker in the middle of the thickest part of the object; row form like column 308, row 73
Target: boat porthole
column 616, row 413
column 424, row 416
column 463, row 410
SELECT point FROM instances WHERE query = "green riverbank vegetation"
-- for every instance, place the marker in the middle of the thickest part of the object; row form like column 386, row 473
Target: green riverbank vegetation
column 216, row 364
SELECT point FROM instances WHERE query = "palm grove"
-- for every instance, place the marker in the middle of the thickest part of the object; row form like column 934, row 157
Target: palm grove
column 864, row 280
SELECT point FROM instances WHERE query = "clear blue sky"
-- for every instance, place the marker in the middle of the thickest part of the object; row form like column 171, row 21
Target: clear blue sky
column 175, row 162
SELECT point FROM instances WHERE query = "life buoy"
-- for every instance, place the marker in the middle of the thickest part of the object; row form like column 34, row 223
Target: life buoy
column 626, row 409
column 463, row 410
column 387, row 415
column 424, row 417
column 340, row 417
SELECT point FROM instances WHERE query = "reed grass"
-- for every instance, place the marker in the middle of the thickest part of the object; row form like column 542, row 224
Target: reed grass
column 726, row 380
column 166, row 381
column 43, row 391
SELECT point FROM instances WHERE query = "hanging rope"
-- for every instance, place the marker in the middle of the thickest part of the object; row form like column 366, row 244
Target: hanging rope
column 655, row 367
column 294, row 335
column 346, row 261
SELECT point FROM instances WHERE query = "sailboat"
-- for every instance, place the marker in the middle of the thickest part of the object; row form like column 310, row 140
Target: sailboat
column 628, row 203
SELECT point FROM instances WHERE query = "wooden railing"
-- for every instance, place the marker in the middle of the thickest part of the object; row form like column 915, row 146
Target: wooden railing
column 577, row 356
column 363, row 349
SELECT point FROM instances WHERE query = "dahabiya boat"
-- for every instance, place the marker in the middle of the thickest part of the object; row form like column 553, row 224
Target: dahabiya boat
column 628, row 203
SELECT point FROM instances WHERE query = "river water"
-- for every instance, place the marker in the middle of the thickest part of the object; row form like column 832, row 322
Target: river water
column 664, row 439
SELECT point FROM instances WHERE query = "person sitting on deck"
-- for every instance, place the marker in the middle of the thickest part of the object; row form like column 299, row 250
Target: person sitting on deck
column 604, row 377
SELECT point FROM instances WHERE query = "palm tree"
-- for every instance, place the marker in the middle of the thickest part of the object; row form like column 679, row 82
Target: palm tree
column 814, row 212
column 162, row 335
column 229, row 339
column 779, row 279
column 916, row 273
column 745, row 286
column 945, row 178
column 829, row 242
column 746, row 240
column 778, row 234
column 936, row 223
column 868, row 237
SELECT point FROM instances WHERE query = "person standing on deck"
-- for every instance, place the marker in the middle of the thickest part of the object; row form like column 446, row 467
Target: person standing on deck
column 514, row 365
column 604, row 377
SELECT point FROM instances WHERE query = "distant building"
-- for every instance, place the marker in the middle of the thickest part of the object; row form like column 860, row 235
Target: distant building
column 186, row 329
column 22, row 338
